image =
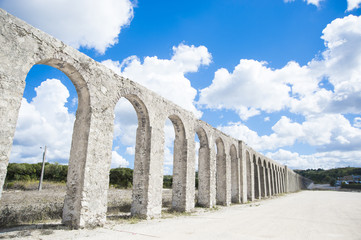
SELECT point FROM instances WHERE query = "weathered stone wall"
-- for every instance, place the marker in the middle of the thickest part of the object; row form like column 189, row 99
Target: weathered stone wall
column 229, row 170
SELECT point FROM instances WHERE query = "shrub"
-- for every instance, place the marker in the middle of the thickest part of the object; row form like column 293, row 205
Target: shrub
column 167, row 181
column 351, row 186
column 121, row 177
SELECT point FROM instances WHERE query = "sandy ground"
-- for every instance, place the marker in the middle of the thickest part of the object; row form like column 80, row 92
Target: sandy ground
column 303, row 215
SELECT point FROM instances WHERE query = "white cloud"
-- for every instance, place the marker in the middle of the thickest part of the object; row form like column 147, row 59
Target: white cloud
column 87, row 23
column 197, row 146
column 130, row 150
column 291, row 159
column 44, row 121
column 167, row 76
column 125, row 123
column 266, row 119
column 252, row 86
column 330, row 84
column 259, row 143
column 357, row 122
column 328, row 132
column 353, row 4
column 118, row 161
column 325, row 160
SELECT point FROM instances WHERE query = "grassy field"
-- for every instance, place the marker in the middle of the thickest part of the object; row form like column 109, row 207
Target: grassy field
column 23, row 204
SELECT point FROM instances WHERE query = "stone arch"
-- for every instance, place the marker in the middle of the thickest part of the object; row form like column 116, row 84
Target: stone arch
column 204, row 171
column 140, row 198
column 179, row 164
column 72, row 214
column 221, row 170
column 235, row 176
column 250, row 182
column 79, row 145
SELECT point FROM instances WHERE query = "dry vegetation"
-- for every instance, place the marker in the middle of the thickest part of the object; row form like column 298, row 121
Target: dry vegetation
column 29, row 206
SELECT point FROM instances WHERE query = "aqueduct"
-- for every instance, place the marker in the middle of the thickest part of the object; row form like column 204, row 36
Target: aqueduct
column 231, row 172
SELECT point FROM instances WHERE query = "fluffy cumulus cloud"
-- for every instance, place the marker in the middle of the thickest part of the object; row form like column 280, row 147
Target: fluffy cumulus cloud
column 324, row 160
column 253, row 87
column 331, row 132
column 331, row 84
column 44, row 121
column 118, row 160
column 167, row 76
column 353, row 4
column 87, row 23
column 125, row 124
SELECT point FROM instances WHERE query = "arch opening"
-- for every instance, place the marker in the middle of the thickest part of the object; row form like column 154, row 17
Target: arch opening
column 54, row 112
column 130, row 158
column 179, row 162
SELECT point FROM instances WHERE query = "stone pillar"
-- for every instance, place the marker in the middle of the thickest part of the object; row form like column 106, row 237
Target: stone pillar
column 149, row 181
column 183, row 168
column 190, row 176
column 223, row 193
column 286, row 180
column 228, row 180
column 204, row 179
column 283, row 181
column 269, row 184
column 280, row 179
column 243, row 172
column 277, row 181
column 273, row 181
column 12, row 82
column 263, row 181
column 257, row 185
column 250, row 177
column 213, row 168
column 85, row 203
column 235, row 172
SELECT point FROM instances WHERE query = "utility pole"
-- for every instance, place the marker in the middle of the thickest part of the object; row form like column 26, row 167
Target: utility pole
column 42, row 170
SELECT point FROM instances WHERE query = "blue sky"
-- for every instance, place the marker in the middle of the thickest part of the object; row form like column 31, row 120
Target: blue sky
column 284, row 76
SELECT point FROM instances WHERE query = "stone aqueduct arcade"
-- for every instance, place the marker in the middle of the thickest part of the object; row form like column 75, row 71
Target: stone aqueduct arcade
column 231, row 172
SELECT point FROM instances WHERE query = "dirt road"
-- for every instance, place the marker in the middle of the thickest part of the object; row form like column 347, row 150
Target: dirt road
column 304, row 215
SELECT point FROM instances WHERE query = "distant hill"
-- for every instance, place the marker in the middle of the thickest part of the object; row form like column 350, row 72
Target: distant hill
column 328, row 176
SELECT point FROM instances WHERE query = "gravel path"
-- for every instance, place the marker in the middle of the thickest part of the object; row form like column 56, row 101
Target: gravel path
column 303, row 215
